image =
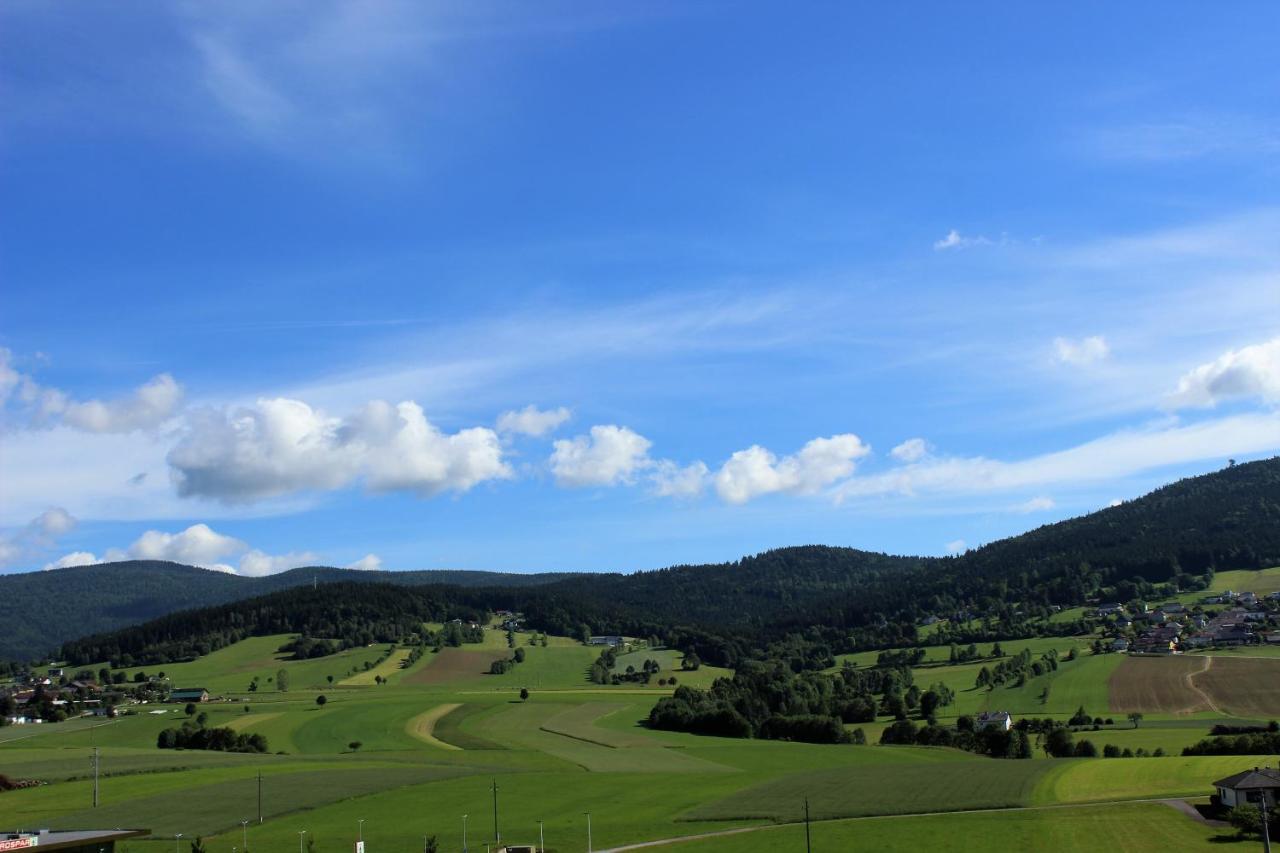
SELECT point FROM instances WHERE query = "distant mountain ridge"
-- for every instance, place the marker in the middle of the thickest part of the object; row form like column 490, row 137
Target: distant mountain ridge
column 841, row 597
column 81, row 600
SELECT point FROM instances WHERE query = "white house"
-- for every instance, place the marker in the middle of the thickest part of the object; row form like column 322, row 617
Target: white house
column 1250, row 786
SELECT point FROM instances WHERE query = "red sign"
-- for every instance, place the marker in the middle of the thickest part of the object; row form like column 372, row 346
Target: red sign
column 19, row 843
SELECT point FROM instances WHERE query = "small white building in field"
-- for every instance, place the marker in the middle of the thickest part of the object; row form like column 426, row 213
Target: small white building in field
column 1251, row 786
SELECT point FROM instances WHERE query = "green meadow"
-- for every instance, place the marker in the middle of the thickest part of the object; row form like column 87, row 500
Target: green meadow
column 414, row 754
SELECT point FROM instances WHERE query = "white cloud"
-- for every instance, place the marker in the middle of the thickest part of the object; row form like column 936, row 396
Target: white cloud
column 911, row 450
column 1080, row 353
column 280, row 446
column 1115, row 502
column 75, row 558
column 756, row 471
column 367, row 563
column 55, row 521
column 39, row 534
column 954, row 240
column 147, row 407
column 957, row 546
column 674, row 481
column 255, row 563
column 1119, row 454
column 1042, row 503
column 532, row 421
column 608, row 456
column 1252, row 371
column 198, row 545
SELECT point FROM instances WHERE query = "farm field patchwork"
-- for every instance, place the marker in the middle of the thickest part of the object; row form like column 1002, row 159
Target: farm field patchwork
column 410, row 757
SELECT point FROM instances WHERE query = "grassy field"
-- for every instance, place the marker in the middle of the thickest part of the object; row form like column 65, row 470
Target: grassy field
column 1128, row 828
column 434, row 738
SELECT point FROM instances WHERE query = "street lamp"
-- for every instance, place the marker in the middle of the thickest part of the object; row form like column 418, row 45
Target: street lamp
column 588, row 814
column 360, row 829
column 542, row 841
column 301, row 833
column 244, row 831
column 176, row 836
column 464, row 834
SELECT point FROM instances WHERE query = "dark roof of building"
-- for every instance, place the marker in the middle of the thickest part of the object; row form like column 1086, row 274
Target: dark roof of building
column 196, row 690
column 1258, row 777
column 60, row 840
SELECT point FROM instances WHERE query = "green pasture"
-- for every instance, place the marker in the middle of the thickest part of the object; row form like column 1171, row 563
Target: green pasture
column 1124, row 828
column 574, row 747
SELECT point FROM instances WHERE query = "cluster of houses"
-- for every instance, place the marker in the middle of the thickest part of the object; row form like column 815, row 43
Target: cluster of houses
column 1173, row 627
column 53, row 696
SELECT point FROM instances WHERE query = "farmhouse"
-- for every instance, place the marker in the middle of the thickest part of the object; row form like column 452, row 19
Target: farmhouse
column 993, row 720
column 1108, row 609
column 606, row 640
column 1119, row 644
column 189, row 694
column 1250, row 786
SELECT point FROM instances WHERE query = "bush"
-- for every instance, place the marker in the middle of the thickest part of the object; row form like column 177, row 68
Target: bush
column 1246, row 819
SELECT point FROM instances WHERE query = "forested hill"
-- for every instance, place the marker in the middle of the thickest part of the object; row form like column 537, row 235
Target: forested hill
column 841, row 597
column 75, row 602
column 1170, row 538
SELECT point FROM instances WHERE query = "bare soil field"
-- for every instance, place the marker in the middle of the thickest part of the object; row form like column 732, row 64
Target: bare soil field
column 1248, row 687
column 451, row 666
column 1164, row 684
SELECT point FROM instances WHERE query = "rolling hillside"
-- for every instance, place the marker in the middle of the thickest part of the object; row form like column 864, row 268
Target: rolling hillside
column 86, row 600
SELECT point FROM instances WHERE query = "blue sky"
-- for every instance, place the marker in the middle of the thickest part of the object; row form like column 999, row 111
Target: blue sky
column 618, row 286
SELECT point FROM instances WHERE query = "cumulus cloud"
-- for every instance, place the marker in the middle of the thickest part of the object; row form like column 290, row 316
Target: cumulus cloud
column 673, row 481
column 1082, row 352
column 39, row 534
column 278, row 446
column 147, row 407
column 608, row 456
column 367, row 563
column 1252, row 371
column 197, row 545
column 75, row 558
column 1042, row 503
column 532, row 421
column 957, row 546
column 911, row 450
column 256, row 564
column 756, row 471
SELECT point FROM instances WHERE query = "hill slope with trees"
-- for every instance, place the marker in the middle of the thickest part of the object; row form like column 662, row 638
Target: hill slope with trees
column 791, row 600
column 74, row 602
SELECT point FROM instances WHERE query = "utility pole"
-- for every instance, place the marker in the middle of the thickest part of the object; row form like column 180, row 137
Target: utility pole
column 542, row 841
column 464, row 834
column 95, row 777
column 1266, row 831
column 588, row 814
column 497, row 836
column 807, row 845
